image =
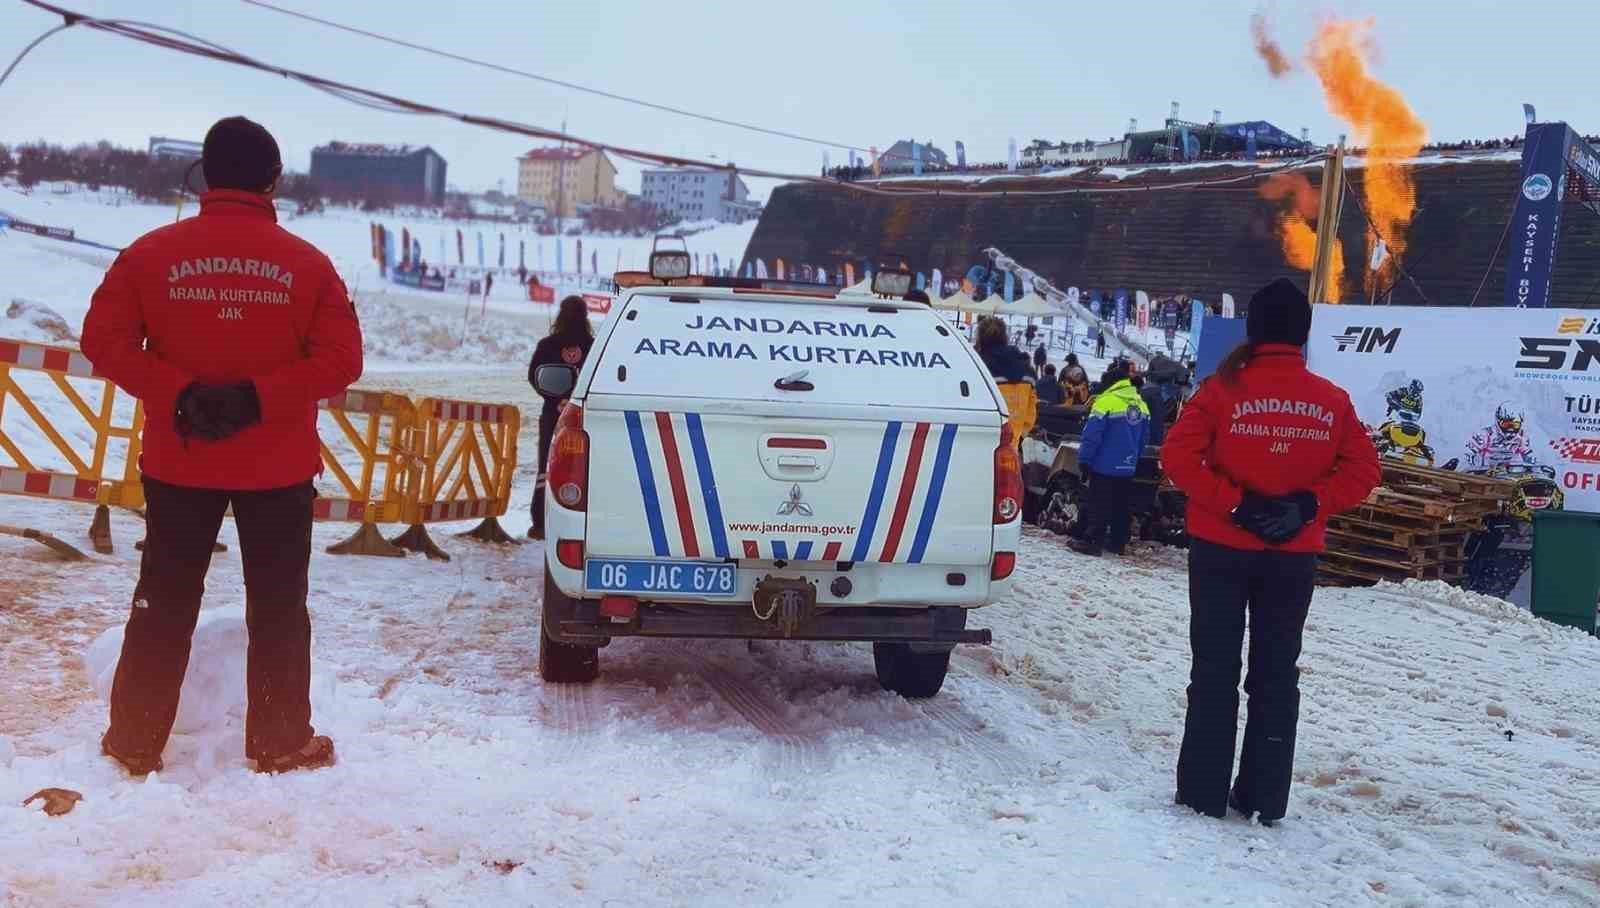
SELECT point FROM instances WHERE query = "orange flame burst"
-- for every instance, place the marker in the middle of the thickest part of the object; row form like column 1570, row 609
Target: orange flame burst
column 1379, row 118
column 1299, row 238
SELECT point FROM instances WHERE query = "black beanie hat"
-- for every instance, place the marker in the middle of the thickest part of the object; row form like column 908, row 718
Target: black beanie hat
column 1117, row 371
column 240, row 154
column 1279, row 314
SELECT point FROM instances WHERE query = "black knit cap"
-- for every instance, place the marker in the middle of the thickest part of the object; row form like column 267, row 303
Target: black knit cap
column 240, row 154
column 1280, row 313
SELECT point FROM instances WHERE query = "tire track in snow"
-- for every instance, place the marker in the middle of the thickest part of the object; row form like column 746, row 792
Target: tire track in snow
column 570, row 716
column 794, row 753
column 971, row 734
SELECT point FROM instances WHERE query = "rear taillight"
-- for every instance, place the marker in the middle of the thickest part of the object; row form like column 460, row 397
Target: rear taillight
column 1007, row 478
column 567, row 476
column 570, row 553
column 1004, row 564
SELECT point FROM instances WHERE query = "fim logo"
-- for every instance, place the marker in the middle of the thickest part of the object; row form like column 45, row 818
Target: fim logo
column 1367, row 339
column 1577, row 450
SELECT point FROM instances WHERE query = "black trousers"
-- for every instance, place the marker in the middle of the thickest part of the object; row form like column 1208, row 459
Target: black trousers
column 1110, row 516
column 275, row 546
column 547, row 428
column 1275, row 589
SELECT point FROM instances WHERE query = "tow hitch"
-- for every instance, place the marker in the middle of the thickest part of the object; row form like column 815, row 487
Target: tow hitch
column 787, row 602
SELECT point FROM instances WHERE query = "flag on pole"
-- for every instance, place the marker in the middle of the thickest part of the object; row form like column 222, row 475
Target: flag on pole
column 480, row 249
column 761, row 270
column 559, row 269
column 522, row 254
column 1011, row 286
column 461, row 249
column 594, row 261
column 580, row 257
column 780, row 269
column 443, row 258
column 1011, row 155
column 502, row 250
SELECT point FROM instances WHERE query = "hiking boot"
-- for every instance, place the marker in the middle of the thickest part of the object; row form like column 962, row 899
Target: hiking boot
column 316, row 754
column 136, row 766
column 1092, row 549
column 1246, row 811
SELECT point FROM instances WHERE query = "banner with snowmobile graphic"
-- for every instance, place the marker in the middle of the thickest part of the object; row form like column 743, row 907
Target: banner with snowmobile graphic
column 1513, row 393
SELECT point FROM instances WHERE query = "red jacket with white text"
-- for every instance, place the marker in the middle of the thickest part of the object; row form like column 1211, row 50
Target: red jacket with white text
column 220, row 298
column 1279, row 429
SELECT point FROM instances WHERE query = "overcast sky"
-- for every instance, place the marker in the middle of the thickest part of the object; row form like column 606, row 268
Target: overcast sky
column 863, row 72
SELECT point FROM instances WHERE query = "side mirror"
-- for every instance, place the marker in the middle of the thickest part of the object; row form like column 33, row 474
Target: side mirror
column 555, row 380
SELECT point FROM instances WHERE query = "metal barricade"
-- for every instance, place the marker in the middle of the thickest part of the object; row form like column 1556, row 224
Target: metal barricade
column 43, row 389
column 372, row 461
column 468, row 456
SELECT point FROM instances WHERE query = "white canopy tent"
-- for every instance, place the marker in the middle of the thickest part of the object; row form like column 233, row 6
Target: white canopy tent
column 1031, row 306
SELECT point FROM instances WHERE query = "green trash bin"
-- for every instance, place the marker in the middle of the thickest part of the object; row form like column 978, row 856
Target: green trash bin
column 1566, row 567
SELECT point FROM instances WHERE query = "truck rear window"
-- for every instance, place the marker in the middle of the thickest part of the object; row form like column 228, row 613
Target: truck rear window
column 743, row 349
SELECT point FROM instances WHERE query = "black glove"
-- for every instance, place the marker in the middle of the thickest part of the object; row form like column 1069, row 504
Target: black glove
column 1276, row 521
column 216, row 412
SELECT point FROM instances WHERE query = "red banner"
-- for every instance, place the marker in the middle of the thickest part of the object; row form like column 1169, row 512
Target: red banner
column 541, row 294
column 598, row 302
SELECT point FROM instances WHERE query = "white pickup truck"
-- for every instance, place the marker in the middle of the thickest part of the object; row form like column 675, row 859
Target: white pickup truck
column 748, row 460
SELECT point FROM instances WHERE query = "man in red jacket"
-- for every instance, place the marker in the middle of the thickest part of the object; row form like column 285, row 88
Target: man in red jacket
column 230, row 330
column 1266, row 452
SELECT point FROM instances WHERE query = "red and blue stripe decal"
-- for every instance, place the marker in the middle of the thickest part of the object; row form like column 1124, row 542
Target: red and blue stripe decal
column 930, row 507
column 647, row 484
column 708, row 484
column 905, row 529
column 880, row 482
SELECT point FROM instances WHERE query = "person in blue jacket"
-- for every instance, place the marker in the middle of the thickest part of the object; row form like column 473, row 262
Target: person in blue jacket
column 1114, row 437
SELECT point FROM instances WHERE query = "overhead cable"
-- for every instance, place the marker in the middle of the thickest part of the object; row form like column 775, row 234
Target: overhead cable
column 512, row 71
column 185, row 43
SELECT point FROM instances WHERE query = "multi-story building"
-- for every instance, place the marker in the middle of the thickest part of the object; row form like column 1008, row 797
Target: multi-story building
column 691, row 194
column 394, row 173
column 163, row 148
column 568, row 180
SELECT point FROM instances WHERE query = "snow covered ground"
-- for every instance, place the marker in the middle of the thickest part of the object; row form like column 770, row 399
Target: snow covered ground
column 726, row 773
column 1449, row 750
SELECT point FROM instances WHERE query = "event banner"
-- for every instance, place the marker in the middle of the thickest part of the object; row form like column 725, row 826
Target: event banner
column 1506, row 392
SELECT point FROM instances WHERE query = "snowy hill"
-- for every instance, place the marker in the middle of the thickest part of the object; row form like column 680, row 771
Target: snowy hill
column 62, row 276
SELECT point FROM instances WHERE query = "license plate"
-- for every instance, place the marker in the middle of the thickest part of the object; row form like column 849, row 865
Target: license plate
column 687, row 578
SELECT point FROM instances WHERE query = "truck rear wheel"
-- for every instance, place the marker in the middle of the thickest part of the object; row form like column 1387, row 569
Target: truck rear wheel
column 563, row 663
column 910, row 674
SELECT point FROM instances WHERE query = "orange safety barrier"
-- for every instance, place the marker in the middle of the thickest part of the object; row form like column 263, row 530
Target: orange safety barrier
column 385, row 459
column 468, row 456
column 100, row 465
column 372, row 461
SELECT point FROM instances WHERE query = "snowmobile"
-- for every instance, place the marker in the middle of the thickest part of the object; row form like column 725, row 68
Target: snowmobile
column 1401, row 436
column 1537, row 489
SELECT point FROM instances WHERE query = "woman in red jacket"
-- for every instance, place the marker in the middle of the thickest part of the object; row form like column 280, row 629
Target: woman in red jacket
column 1266, row 452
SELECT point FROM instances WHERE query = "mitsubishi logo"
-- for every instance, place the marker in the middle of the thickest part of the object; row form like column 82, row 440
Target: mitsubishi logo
column 795, row 505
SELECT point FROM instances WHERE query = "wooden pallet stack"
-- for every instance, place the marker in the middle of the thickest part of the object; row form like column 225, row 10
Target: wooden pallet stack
column 1415, row 525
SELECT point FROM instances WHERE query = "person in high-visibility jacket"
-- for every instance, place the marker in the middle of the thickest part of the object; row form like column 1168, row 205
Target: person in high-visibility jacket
column 1113, row 441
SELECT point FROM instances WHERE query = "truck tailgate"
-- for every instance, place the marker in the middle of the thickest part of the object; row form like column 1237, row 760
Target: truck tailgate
column 703, row 485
